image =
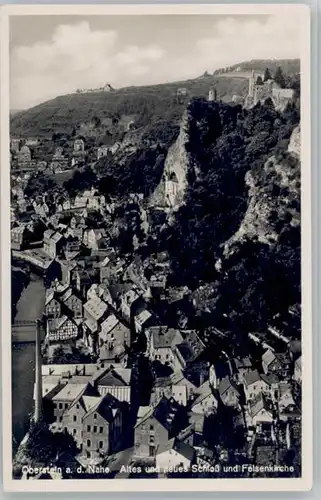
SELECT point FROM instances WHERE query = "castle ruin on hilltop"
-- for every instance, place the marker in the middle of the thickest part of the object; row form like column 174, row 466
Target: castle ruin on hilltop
column 259, row 92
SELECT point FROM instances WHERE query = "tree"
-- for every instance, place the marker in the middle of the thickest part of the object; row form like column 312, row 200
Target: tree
column 60, row 356
column 279, row 77
column 46, row 447
column 38, row 447
column 267, row 75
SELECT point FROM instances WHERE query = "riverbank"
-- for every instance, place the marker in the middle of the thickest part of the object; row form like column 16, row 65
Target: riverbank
column 30, row 306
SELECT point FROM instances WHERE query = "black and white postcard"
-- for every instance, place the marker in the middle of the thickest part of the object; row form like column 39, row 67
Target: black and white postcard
column 155, row 248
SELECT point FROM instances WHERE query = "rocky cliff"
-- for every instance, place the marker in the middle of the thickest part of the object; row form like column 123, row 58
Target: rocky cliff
column 171, row 189
column 274, row 198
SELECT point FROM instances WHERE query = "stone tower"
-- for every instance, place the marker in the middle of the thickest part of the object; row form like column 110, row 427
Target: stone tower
column 38, row 374
column 212, row 95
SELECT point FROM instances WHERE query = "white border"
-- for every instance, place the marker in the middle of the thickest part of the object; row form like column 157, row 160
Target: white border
column 178, row 485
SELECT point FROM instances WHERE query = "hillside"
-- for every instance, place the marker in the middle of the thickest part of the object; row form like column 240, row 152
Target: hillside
column 145, row 105
column 290, row 67
column 243, row 188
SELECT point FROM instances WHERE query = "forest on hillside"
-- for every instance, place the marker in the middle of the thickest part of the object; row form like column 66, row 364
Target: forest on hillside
column 224, row 143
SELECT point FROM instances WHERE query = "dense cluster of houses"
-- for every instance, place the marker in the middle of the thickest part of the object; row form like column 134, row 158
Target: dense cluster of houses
column 103, row 305
column 27, row 156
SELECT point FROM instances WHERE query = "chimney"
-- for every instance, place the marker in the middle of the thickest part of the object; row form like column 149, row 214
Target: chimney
column 38, row 375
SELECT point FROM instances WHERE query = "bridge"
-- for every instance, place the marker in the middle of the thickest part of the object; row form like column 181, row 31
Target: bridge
column 23, row 332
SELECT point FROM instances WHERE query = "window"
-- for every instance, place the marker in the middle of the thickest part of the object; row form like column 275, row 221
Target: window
column 152, row 439
column 74, row 431
column 95, row 428
column 60, row 419
column 88, row 443
column 75, row 418
column 101, row 429
column 151, row 427
column 88, row 428
column 101, row 444
column 60, row 406
column 152, row 451
column 95, row 416
column 66, row 406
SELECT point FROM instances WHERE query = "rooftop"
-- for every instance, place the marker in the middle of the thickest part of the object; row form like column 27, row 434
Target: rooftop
column 163, row 336
column 69, row 392
column 96, row 308
column 251, row 377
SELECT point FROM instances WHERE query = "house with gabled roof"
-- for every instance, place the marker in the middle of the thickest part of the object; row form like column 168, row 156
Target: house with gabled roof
column 242, row 366
column 61, row 329
column 130, row 302
column 190, row 350
column 114, row 339
column 53, row 306
column 142, row 320
column 285, row 398
column 19, row 237
column 175, row 453
column 53, row 243
column 73, row 303
column 261, row 411
column 254, row 385
column 115, row 380
column 64, row 398
column 95, row 311
column 273, row 383
column 278, row 363
column 157, row 425
column 161, row 341
column 229, row 392
column 193, row 434
column 206, row 403
column 102, row 426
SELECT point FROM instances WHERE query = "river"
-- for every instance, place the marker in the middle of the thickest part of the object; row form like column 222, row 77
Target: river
column 30, row 306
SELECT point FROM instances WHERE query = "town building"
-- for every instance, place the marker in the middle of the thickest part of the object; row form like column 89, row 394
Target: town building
column 53, row 306
column 205, row 403
column 73, row 303
column 53, row 243
column 114, row 380
column 161, row 341
column 277, row 363
column 261, row 411
column 254, row 385
column 156, row 426
column 173, row 454
column 19, row 237
column 114, row 339
column 61, row 329
column 95, row 311
column 229, row 392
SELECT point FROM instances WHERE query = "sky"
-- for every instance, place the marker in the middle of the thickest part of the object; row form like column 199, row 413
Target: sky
column 55, row 55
